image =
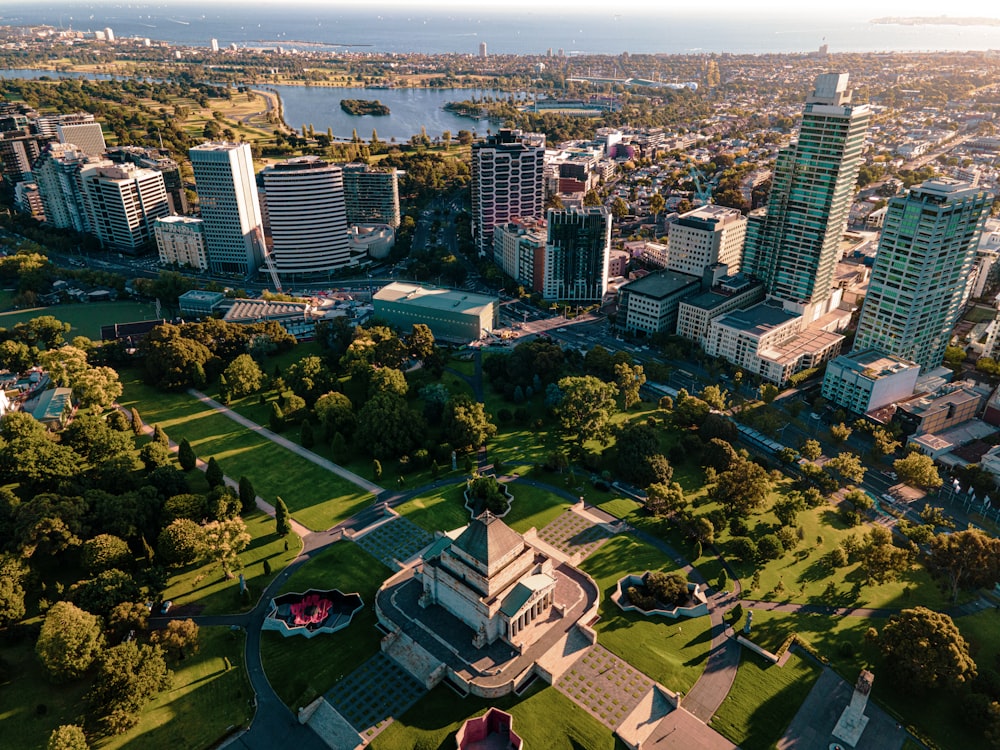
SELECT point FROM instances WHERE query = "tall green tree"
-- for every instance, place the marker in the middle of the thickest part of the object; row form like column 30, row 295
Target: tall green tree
column 586, row 409
column 466, row 423
column 128, row 676
column 12, row 573
column 243, row 376
column 213, row 473
column 282, row 521
column 248, row 495
column 743, row 489
column 186, row 456
column 629, row 379
column 966, row 560
column 67, row 737
column 69, row 641
column 924, row 649
column 224, row 541
column 918, row 470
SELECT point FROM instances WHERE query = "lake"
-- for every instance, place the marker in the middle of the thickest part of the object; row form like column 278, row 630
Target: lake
column 319, row 106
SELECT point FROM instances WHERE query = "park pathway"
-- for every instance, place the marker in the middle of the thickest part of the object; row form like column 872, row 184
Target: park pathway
column 284, row 442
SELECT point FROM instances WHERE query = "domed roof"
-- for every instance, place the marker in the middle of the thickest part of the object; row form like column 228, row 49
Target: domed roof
column 488, row 539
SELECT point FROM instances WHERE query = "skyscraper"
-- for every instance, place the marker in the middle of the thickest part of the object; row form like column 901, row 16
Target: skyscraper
column 123, row 201
column 794, row 247
column 57, row 173
column 305, row 208
column 918, row 282
column 705, row 236
column 507, row 182
column 371, row 195
column 227, row 193
column 576, row 254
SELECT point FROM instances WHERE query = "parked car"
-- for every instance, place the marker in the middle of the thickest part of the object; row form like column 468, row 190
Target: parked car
column 166, row 606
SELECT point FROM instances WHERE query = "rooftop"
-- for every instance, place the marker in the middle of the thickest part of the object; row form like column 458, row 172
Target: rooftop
column 710, row 217
column 200, row 295
column 874, row 364
column 259, row 309
column 759, row 319
column 433, row 298
column 488, row 538
column 661, row 284
column 808, row 341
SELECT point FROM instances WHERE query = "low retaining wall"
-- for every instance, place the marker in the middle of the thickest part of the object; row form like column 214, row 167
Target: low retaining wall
column 506, row 494
column 620, row 597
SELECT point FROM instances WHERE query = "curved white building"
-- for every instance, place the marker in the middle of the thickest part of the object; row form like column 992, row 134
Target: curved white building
column 308, row 216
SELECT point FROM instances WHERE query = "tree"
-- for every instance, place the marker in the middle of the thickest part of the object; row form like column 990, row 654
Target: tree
column 884, row 443
column 387, row 380
column 768, row 393
column 136, row 421
column 126, row 617
column 840, row 432
column 12, row 572
column 967, row 559
column 178, row 637
column 128, row 675
column 45, row 329
column 69, row 642
column 918, row 470
column 67, row 737
column 186, row 456
column 97, row 388
column 282, row 521
column 154, row 455
column 306, row 436
column 811, row 450
column 213, row 473
column 336, row 413
column 387, row 427
column 420, row 342
column 586, row 409
column 224, row 541
column 466, row 423
column 788, row 508
column 629, row 379
column 743, row 489
column 95, row 440
column 849, row 466
column 243, row 376
column 159, row 436
column 277, row 418
column 180, row 543
column 591, row 198
column 619, row 208
column 880, row 559
column 656, row 205
column 923, row 649
column 714, row 396
column 17, row 356
column 64, row 364
column 103, row 552
column 105, row 591
column 170, row 357
column 665, row 499
column 690, row 411
column 248, row 495
column 669, row 588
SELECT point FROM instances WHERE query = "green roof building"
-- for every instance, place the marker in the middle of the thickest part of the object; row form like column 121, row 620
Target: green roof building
column 451, row 314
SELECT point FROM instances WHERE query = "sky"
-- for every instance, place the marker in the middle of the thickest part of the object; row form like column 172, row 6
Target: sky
column 860, row 8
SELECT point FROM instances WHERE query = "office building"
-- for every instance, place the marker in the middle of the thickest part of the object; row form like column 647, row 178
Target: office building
column 649, row 305
column 123, row 202
column 227, row 194
column 451, row 314
column 482, row 50
column 28, row 200
column 704, row 237
column 82, row 131
column 519, row 251
column 180, row 241
column 57, row 173
column 151, row 158
column 924, row 259
column 794, row 246
column 868, row 379
column 576, row 254
column 371, row 195
column 507, row 182
column 770, row 342
column 215, row 45
column 18, row 151
column 307, row 216
column 200, row 303
column 728, row 294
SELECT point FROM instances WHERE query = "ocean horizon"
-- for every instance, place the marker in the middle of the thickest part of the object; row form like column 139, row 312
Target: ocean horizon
column 398, row 30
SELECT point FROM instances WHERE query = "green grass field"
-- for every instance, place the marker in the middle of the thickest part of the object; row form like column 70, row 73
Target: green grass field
column 300, row 669
column 763, row 700
column 317, row 498
column 86, row 318
column 672, row 652
column 203, row 700
column 544, row 718
column 203, row 590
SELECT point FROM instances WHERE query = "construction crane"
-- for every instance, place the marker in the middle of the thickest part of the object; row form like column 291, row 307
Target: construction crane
column 702, row 186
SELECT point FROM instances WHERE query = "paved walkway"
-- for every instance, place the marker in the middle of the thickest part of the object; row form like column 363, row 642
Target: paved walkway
column 607, row 687
column 284, row 442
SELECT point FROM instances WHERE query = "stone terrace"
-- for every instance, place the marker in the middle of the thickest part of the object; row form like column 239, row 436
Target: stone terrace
column 394, row 542
column 373, row 694
column 574, row 535
column 604, row 685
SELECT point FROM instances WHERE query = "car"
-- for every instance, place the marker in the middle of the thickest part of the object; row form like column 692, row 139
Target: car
column 166, row 606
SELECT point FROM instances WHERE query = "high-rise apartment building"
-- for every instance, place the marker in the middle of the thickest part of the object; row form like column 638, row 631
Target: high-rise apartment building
column 371, row 195
column 57, row 173
column 704, row 237
column 18, row 151
column 180, row 240
column 576, row 254
column 80, row 129
column 123, row 201
column 307, row 215
column 151, row 158
column 794, row 247
column 227, row 194
column 924, row 258
column 508, row 179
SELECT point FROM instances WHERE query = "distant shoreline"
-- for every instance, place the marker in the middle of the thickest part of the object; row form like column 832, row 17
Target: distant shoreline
column 937, row 21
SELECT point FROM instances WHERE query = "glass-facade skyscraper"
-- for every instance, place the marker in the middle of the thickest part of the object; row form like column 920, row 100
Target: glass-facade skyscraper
column 921, row 271
column 794, row 247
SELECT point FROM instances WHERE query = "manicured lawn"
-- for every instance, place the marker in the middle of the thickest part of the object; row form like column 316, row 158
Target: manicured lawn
column 544, row 718
column 764, row 699
column 441, row 510
column 300, row 669
column 672, row 652
column 317, row 498
column 533, row 507
column 204, row 700
column 938, row 714
column 86, row 318
column 203, row 590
